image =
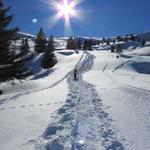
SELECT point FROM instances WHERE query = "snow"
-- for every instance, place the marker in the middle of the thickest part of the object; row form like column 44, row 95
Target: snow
column 25, row 35
column 107, row 108
column 27, row 108
column 125, row 93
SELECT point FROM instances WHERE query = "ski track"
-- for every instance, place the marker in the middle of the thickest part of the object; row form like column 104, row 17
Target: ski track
column 81, row 123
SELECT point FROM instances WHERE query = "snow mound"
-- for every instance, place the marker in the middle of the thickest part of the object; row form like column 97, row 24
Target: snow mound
column 144, row 51
column 130, row 45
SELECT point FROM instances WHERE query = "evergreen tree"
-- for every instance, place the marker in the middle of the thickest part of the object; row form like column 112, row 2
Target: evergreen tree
column 79, row 44
column 143, row 43
column 119, row 38
column 103, row 40
column 98, row 42
column 90, row 43
column 40, row 42
column 6, row 57
column 71, row 43
column 118, row 48
column 24, row 47
column 112, row 48
column 85, row 45
column 11, row 66
column 132, row 38
column 49, row 58
column 114, row 41
column 108, row 42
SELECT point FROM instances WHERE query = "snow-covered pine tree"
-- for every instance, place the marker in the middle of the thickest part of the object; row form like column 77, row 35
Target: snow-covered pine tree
column 49, row 58
column 11, row 65
column 40, row 42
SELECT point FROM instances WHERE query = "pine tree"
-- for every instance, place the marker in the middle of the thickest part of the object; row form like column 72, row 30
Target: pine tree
column 103, row 40
column 6, row 57
column 132, row 38
column 49, row 58
column 108, row 42
column 90, row 43
column 24, row 47
column 112, row 48
column 79, row 44
column 143, row 43
column 11, row 65
column 118, row 48
column 40, row 42
column 85, row 45
column 114, row 41
column 71, row 43
column 50, row 45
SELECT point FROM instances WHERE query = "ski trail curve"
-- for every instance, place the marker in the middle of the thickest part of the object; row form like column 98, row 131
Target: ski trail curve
column 81, row 123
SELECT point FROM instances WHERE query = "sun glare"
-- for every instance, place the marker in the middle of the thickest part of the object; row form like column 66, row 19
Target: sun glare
column 66, row 9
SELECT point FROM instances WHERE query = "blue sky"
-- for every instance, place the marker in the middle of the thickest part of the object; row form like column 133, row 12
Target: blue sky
column 99, row 17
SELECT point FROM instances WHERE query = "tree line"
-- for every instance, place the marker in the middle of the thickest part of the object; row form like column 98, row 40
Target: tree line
column 76, row 43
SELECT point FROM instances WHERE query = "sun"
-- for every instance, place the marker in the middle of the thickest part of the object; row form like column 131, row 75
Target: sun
column 66, row 9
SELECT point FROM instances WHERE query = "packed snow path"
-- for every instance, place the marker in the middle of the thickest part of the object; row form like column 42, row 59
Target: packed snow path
column 82, row 123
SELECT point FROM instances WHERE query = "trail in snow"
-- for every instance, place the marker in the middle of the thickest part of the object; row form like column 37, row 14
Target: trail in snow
column 82, row 123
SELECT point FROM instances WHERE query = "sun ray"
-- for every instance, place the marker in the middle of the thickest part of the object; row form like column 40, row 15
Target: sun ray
column 76, row 2
column 52, row 20
column 68, row 28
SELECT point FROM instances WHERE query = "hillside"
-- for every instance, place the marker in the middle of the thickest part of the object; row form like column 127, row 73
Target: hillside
column 106, row 109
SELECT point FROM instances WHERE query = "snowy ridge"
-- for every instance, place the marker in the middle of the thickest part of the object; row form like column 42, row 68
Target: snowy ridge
column 25, row 35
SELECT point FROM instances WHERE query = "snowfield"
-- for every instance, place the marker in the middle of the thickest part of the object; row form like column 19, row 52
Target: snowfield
column 108, row 108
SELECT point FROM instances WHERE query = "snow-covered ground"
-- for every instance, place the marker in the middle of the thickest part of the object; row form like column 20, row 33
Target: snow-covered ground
column 27, row 108
column 125, row 93
column 107, row 108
